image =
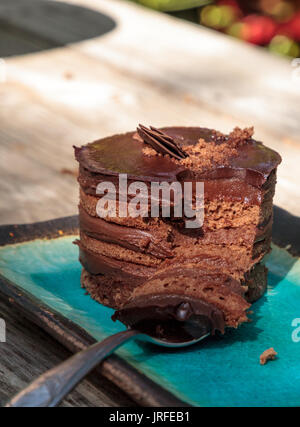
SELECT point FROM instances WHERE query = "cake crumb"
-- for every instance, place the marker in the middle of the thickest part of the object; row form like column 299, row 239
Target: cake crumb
column 148, row 151
column 66, row 171
column 205, row 155
column 240, row 136
column 268, row 355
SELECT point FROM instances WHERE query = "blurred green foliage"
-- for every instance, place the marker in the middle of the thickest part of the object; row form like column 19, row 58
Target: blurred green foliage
column 172, row 5
column 274, row 24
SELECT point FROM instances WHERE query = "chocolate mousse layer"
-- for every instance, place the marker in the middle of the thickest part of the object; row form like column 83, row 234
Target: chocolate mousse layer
column 214, row 270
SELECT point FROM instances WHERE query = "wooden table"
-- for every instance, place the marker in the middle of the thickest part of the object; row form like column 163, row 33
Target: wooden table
column 82, row 73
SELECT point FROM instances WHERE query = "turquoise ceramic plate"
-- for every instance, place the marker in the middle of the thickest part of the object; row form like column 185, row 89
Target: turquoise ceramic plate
column 223, row 371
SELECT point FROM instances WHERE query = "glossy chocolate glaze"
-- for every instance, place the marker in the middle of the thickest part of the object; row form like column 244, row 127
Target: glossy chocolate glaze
column 123, row 154
column 174, row 318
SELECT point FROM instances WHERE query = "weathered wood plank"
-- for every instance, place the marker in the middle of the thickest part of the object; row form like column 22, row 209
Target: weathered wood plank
column 225, row 73
column 177, row 56
column 42, row 115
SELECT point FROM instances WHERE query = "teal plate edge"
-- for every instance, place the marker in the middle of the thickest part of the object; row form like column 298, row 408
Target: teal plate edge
column 138, row 386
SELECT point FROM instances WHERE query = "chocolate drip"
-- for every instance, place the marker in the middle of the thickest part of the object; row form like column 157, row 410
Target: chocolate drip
column 171, row 317
column 161, row 142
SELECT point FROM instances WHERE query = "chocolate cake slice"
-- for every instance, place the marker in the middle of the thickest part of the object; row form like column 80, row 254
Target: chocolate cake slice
column 147, row 264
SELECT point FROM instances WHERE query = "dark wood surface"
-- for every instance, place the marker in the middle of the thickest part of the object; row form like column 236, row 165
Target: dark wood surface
column 29, row 352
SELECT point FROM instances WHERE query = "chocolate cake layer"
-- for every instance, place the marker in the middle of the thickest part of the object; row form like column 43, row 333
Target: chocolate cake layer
column 118, row 252
column 246, row 245
column 109, row 291
column 126, row 260
column 233, row 260
column 159, row 238
column 231, row 188
column 100, row 264
column 153, row 243
column 115, row 293
column 219, row 212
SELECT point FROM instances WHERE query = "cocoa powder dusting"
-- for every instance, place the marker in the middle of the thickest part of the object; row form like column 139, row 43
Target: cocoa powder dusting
column 205, row 155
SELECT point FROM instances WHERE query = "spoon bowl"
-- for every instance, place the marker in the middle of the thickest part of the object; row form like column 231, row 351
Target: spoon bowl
column 170, row 344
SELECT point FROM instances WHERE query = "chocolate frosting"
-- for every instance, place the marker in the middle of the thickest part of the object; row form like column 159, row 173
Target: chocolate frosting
column 130, row 238
column 175, row 318
column 124, row 154
column 99, row 264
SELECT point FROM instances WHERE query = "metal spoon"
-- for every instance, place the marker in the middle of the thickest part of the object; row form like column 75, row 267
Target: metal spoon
column 51, row 388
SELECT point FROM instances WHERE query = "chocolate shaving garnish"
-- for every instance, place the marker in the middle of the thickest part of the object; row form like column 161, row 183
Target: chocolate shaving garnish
column 161, row 142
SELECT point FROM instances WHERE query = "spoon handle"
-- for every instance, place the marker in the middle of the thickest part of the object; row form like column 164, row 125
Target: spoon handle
column 50, row 388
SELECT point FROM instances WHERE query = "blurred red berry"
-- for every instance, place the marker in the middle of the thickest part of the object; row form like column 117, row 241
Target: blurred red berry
column 285, row 30
column 295, row 26
column 291, row 28
column 258, row 29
